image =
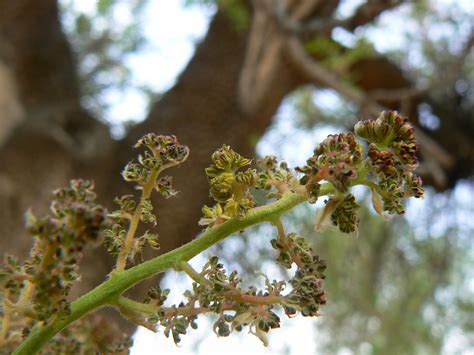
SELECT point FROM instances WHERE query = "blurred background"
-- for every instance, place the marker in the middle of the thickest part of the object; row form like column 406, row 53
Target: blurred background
column 81, row 80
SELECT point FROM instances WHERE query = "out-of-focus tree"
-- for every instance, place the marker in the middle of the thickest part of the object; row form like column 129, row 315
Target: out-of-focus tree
column 102, row 40
column 254, row 54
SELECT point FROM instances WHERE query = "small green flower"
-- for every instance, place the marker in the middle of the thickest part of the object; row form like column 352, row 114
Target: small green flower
column 228, row 186
column 164, row 187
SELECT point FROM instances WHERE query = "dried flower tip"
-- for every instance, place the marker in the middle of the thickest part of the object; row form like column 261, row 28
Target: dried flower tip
column 135, row 172
column 146, row 211
column 164, row 187
column 126, row 203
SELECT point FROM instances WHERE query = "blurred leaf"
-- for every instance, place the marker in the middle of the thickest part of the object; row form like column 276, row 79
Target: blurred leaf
column 104, row 6
column 83, row 24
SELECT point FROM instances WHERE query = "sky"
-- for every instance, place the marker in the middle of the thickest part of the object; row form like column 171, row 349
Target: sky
column 172, row 31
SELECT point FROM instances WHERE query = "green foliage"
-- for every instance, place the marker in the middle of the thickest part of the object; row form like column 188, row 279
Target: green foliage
column 332, row 55
column 104, row 6
column 238, row 13
column 35, row 293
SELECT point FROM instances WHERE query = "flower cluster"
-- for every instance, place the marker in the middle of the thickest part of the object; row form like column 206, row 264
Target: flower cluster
column 229, row 187
column 392, row 158
column 387, row 167
column 220, row 293
column 46, row 277
column 345, row 214
column 38, row 289
column 307, row 294
column 162, row 153
column 275, row 177
column 336, row 160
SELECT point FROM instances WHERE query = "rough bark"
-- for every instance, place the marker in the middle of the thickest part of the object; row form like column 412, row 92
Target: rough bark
column 54, row 139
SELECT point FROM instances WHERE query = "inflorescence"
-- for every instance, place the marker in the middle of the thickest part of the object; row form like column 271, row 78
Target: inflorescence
column 36, row 292
column 387, row 168
column 229, row 187
column 38, row 289
column 162, row 152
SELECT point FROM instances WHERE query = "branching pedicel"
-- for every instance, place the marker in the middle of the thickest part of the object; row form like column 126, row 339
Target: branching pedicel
column 35, row 302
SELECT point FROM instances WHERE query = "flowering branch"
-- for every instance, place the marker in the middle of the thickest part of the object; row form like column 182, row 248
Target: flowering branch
column 120, row 281
column 35, row 293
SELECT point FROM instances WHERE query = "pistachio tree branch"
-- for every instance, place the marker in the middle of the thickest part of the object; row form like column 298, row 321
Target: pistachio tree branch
column 386, row 165
column 109, row 292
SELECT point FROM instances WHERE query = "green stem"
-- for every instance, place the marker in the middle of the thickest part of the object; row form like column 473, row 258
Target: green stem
column 258, row 300
column 127, row 303
column 135, row 218
column 6, row 316
column 132, row 229
column 281, row 230
column 183, row 265
column 119, row 281
column 371, row 184
column 26, row 294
